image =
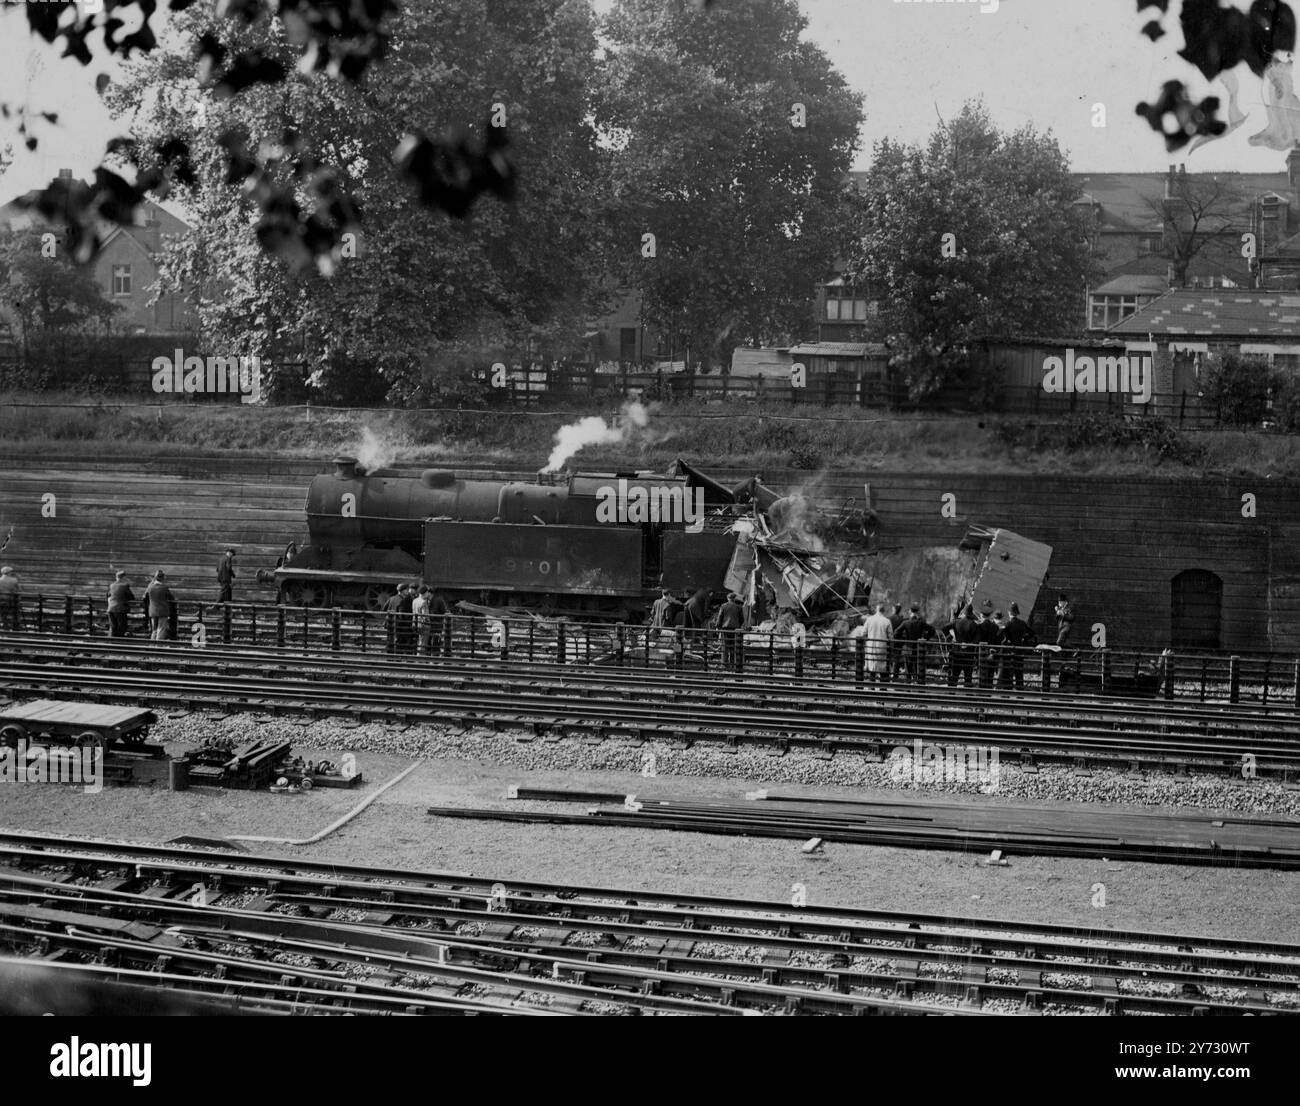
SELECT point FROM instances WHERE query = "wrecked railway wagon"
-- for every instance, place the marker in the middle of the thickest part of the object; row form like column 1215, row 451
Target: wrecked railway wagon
column 604, row 544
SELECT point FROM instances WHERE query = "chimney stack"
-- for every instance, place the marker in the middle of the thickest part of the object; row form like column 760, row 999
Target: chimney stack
column 1293, row 167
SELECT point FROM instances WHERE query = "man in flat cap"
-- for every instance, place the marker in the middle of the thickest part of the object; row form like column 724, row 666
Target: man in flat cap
column 10, row 616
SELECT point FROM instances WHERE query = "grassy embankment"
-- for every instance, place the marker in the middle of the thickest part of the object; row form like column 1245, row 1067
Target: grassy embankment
column 777, row 436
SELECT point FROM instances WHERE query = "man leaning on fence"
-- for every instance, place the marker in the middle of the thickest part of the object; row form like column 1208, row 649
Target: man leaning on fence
column 731, row 620
column 161, row 603
column 120, row 598
column 10, row 614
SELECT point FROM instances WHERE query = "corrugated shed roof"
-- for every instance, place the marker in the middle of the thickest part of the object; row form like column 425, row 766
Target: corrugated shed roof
column 838, row 349
column 1230, row 312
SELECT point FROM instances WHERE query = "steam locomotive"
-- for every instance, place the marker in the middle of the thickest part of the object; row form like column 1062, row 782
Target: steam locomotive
column 553, row 545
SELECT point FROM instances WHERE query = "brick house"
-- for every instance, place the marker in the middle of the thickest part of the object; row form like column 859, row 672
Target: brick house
column 125, row 268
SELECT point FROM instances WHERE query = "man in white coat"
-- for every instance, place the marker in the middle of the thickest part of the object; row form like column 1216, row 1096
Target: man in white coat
column 879, row 633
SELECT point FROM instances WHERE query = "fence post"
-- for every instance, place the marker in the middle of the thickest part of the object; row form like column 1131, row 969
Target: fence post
column 252, row 624
column 1234, row 678
column 336, row 630
column 859, row 663
column 305, row 614
column 446, row 634
column 1045, row 676
column 67, row 614
column 505, row 639
column 225, row 623
column 1105, row 671
column 922, row 660
column 798, row 661
column 560, row 652
column 279, row 626
column 532, row 626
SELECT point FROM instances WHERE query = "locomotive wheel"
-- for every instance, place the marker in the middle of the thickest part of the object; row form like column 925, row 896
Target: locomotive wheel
column 377, row 595
column 304, row 593
column 11, row 735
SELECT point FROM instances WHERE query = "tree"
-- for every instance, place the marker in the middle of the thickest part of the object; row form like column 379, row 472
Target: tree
column 48, row 294
column 972, row 236
column 1200, row 219
column 410, row 287
column 729, row 142
column 305, row 214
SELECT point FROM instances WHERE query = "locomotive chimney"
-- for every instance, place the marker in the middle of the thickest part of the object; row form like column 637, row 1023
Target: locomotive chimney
column 345, row 468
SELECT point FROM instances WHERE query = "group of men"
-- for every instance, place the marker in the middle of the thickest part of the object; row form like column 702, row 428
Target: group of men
column 987, row 645
column 415, row 617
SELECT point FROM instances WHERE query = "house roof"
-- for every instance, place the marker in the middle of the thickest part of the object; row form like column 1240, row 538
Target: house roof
column 1133, row 284
column 1226, row 312
column 1125, row 198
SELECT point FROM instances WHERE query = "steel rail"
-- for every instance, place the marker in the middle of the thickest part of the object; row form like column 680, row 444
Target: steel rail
column 777, row 982
column 510, row 707
column 477, row 896
column 394, row 668
column 56, row 849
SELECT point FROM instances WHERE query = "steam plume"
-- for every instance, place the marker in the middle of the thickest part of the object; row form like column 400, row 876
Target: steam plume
column 593, row 430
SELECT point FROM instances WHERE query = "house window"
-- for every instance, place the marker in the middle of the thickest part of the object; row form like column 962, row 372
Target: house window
column 841, row 306
column 121, row 280
column 1106, row 311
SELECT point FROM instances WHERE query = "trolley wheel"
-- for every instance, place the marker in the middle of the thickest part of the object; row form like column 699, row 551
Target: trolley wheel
column 306, row 783
column 11, row 734
column 90, row 739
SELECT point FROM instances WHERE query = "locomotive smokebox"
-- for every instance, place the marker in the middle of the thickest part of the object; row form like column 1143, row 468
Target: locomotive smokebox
column 345, row 468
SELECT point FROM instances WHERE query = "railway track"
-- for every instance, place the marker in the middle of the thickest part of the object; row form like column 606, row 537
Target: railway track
column 644, row 705
column 282, row 936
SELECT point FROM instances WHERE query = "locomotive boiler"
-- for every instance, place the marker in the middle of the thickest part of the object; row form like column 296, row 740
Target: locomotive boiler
column 590, row 543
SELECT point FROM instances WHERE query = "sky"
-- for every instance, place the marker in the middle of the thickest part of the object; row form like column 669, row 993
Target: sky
column 1042, row 62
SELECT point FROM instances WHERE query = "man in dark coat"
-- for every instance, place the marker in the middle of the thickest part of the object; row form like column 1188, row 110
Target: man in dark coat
column 400, row 619
column 963, row 631
column 988, row 635
column 161, row 602
column 896, row 647
column 912, row 632
column 731, row 621
column 120, row 598
column 226, row 576
column 10, row 615
column 1018, row 638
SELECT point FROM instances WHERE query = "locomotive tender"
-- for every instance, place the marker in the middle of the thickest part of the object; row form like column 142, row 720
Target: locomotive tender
column 544, row 545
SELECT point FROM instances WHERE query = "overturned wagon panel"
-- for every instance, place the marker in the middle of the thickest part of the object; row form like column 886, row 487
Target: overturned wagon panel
column 1010, row 568
column 577, row 560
